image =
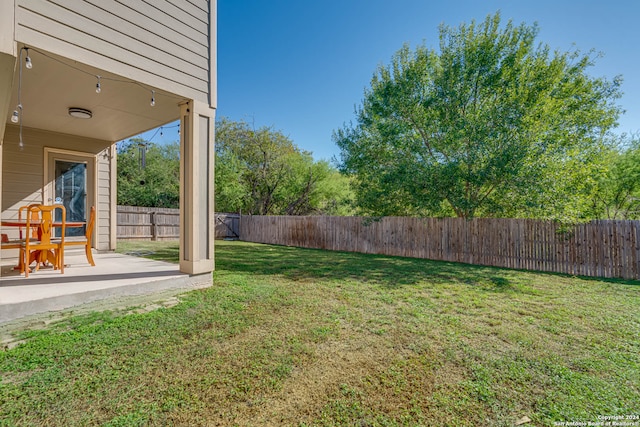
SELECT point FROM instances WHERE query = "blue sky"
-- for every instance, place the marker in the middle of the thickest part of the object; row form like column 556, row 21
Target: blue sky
column 301, row 66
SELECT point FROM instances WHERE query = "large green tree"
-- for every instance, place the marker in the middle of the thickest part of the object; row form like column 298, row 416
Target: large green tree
column 262, row 172
column 149, row 174
column 492, row 124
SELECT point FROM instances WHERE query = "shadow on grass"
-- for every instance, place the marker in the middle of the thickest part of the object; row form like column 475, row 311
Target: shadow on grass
column 305, row 264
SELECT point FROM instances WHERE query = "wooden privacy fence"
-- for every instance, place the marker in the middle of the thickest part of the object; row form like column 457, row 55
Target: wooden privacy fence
column 145, row 223
column 598, row 248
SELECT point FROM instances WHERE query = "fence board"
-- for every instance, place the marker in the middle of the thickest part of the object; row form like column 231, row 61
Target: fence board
column 599, row 248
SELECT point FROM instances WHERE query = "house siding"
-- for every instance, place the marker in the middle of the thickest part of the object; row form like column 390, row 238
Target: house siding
column 23, row 174
column 164, row 43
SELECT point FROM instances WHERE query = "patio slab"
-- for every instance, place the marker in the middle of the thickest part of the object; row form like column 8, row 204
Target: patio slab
column 114, row 276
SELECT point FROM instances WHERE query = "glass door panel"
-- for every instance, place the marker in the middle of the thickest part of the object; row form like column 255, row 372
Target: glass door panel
column 71, row 191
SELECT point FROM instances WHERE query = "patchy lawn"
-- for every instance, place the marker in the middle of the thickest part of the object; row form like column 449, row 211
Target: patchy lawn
column 302, row 337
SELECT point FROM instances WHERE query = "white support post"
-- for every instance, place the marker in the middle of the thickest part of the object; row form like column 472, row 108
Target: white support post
column 197, row 227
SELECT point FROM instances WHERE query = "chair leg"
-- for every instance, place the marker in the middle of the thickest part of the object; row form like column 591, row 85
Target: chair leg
column 60, row 259
column 89, row 255
column 20, row 265
column 25, row 262
column 38, row 261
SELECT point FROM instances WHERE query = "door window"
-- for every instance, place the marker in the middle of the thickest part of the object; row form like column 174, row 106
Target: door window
column 71, row 191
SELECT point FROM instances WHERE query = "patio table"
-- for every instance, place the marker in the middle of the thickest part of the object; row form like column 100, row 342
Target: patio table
column 38, row 255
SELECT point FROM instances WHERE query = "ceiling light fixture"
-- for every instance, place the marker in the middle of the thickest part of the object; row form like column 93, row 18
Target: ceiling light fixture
column 80, row 113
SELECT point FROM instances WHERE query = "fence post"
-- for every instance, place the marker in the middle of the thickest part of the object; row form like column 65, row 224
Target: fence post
column 154, row 226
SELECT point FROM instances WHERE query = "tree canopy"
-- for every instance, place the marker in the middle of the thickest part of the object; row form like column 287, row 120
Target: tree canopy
column 149, row 174
column 262, row 172
column 492, row 124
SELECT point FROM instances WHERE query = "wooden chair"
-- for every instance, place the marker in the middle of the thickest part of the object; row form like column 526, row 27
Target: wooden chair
column 39, row 249
column 10, row 244
column 86, row 239
column 17, row 244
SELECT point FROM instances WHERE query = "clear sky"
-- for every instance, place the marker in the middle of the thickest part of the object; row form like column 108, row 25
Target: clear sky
column 301, row 66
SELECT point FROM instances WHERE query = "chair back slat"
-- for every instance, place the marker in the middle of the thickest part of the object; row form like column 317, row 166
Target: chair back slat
column 35, row 216
column 43, row 240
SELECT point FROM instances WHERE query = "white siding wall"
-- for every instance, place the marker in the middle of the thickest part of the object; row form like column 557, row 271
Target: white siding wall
column 23, row 173
column 164, row 43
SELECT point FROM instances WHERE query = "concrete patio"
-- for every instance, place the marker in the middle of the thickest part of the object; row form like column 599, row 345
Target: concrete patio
column 114, row 276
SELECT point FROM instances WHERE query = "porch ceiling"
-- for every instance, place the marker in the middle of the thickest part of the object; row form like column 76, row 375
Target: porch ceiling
column 122, row 109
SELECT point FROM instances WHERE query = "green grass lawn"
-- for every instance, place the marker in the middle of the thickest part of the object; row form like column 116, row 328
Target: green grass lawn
column 299, row 337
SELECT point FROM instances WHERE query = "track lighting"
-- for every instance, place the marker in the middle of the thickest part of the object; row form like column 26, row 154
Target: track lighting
column 98, row 87
column 153, row 98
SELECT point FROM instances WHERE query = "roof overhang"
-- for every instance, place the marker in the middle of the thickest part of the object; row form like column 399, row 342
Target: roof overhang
column 55, row 84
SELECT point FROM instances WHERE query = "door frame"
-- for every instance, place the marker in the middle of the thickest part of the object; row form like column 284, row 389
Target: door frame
column 48, row 194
